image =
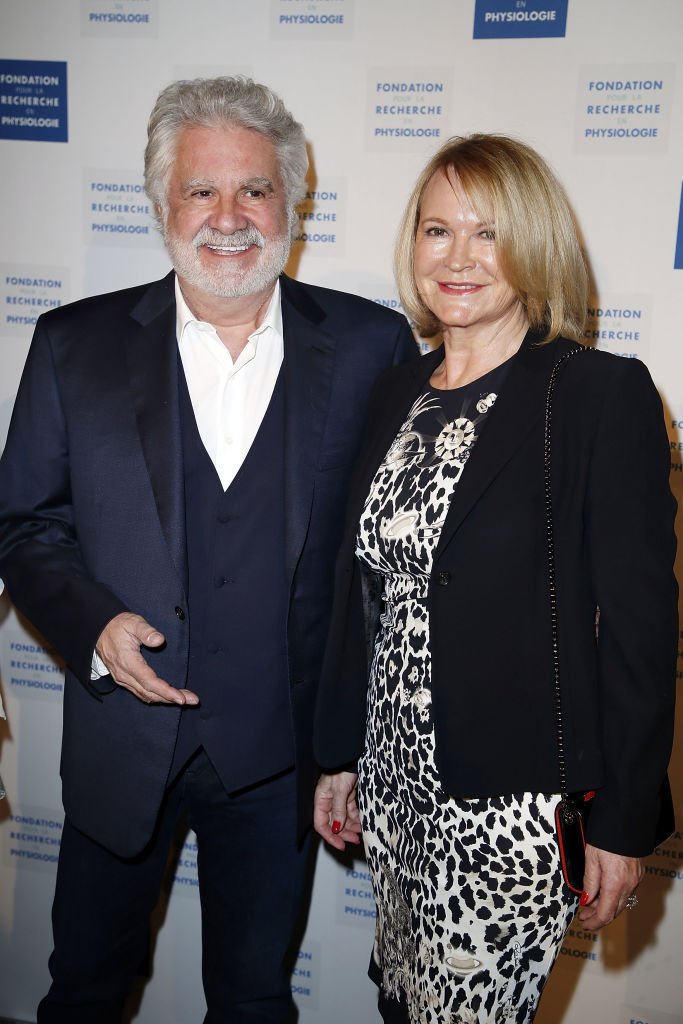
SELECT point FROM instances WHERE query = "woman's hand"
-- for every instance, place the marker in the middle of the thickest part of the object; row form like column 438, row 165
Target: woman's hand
column 608, row 880
column 335, row 814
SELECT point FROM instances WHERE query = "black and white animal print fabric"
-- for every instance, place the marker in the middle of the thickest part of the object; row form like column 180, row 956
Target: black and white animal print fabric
column 471, row 904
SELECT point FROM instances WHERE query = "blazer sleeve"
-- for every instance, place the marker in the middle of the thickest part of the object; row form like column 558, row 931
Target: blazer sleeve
column 339, row 727
column 632, row 548
column 40, row 559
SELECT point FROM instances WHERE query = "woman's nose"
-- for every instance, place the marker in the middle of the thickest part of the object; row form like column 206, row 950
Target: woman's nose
column 459, row 254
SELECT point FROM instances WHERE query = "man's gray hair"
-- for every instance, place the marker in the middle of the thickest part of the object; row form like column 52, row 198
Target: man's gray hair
column 217, row 102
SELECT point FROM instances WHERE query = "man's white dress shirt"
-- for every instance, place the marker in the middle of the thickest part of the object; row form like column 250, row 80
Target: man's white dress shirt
column 229, row 398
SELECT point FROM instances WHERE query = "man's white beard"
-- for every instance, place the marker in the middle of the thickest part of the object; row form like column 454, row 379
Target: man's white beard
column 226, row 279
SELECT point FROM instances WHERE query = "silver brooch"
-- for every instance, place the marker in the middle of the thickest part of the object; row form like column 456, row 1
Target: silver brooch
column 485, row 403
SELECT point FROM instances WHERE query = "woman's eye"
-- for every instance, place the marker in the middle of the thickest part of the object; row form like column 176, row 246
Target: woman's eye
column 489, row 234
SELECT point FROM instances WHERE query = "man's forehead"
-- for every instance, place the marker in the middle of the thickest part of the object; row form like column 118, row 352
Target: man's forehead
column 225, row 133
column 230, row 146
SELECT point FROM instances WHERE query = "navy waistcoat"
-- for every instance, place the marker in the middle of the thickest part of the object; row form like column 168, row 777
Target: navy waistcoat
column 238, row 600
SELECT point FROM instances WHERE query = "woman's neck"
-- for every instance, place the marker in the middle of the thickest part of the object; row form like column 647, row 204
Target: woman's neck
column 469, row 354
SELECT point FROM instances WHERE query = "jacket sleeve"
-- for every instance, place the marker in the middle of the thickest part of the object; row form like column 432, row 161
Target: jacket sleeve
column 40, row 559
column 340, row 715
column 632, row 548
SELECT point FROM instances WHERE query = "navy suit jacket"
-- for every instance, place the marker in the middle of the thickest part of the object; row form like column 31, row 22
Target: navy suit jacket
column 92, row 517
column 489, row 601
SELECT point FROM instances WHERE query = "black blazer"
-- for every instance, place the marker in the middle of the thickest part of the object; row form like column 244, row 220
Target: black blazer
column 92, row 517
column 492, row 669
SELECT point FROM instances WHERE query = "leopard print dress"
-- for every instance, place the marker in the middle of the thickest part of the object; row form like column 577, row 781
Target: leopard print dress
column 471, row 904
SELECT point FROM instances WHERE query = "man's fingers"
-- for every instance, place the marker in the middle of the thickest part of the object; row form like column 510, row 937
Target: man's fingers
column 119, row 648
column 149, row 636
column 142, row 634
column 126, row 632
column 148, row 686
column 144, row 684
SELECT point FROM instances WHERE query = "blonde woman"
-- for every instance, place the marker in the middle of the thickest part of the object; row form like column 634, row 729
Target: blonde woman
column 449, row 719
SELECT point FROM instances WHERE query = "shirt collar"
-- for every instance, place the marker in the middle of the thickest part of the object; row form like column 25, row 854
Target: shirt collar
column 271, row 321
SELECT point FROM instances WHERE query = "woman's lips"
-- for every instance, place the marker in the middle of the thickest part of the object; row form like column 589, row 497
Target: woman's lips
column 465, row 288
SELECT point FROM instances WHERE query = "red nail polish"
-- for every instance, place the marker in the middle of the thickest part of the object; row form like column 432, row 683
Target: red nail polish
column 336, row 827
column 584, row 899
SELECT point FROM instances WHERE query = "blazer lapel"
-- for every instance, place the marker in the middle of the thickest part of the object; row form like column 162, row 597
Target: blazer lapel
column 151, row 353
column 308, row 366
column 517, row 411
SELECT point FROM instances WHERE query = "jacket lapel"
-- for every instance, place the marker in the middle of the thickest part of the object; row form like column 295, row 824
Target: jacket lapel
column 308, row 367
column 151, row 353
column 517, row 411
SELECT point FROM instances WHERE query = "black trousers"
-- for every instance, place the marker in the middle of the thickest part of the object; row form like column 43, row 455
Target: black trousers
column 251, row 880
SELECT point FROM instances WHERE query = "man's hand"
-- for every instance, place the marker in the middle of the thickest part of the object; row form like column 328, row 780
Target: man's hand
column 335, row 814
column 119, row 648
column 608, row 881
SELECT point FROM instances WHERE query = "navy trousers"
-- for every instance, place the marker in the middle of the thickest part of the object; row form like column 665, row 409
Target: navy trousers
column 252, row 875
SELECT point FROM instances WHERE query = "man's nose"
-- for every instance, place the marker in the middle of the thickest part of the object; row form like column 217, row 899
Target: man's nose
column 227, row 215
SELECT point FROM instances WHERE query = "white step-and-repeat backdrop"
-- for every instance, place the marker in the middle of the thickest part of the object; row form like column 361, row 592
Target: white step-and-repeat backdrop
column 595, row 85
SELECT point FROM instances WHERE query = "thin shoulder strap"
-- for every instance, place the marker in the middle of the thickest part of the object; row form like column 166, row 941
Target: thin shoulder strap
column 552, row 575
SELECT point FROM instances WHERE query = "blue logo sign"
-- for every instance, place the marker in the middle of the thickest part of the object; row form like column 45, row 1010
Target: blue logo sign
column 624, row 107
column 322, row 217
column 26, row 291
column 123, row 18
column 678, row 258
column 32, row 838
column 519, row 19
column 621, row 324
column 33, row 100
column 305, row 982
column 311, row 19
column 408, row 106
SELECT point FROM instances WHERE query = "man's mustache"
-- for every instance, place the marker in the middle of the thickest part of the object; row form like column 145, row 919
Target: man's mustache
column 243, row 237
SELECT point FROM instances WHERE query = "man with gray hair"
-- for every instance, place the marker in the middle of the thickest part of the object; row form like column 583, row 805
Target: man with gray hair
column 171, row 499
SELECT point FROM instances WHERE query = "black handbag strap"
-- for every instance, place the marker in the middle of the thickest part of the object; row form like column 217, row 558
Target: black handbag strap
column 552, row 574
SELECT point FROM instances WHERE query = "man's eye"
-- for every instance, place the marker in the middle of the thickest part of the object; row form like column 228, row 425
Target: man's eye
column 202, row 193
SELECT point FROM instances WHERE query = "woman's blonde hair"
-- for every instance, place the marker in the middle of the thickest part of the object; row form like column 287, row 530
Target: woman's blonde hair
column 536, row 239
